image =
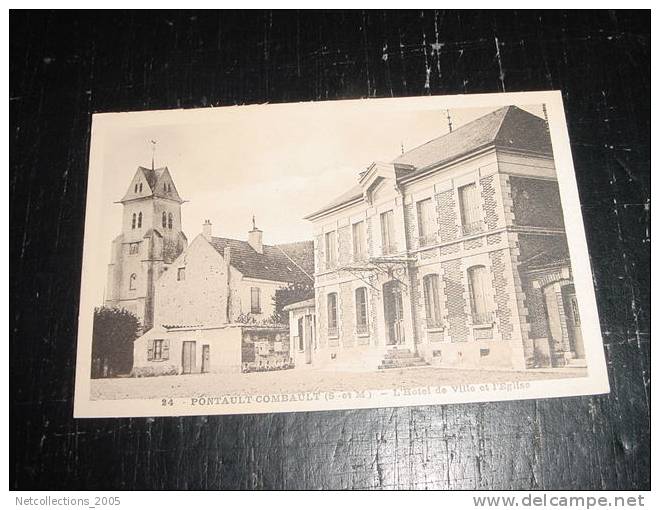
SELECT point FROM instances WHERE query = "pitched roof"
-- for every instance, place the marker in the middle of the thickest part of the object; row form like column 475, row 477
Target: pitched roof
column 291, row 262
column 153, row 178
column 508, row 127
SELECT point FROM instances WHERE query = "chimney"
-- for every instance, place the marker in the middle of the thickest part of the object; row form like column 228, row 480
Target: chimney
column 207, row 230
column 255, row 238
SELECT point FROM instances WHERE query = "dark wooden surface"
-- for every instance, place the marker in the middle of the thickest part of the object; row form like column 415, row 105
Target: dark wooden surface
column 64, row 66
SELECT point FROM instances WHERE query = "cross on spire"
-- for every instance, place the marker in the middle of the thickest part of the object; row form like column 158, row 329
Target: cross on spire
column 254, row 223
column 153, row 153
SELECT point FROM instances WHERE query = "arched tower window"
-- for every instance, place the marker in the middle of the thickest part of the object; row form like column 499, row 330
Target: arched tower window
column 132, row 281
column 133, row 222
column 140, row 220
column 164, row 222
column 169, row 221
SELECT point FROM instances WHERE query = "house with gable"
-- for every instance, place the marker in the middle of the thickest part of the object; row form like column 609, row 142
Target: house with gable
column 213, row 304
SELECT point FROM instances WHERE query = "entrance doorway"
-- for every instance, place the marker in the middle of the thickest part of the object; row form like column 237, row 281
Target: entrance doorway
column 393, row 308
column 309, row 338
column 188, row 357
column 572, row 313
column 206, row 358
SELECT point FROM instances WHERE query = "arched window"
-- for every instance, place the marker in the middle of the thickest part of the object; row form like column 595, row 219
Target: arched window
column 140, row 187
column 136, row 187
column 140, row 220
column 164, row 219
column 169, row 221
column 332, row 314
column 432, row 301
column 361, row 310
column 477, row 283
column 131, row 282
column 133, row 222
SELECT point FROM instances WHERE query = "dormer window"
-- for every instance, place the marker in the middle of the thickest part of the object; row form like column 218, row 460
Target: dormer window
column 140, row 188
column 136, row 187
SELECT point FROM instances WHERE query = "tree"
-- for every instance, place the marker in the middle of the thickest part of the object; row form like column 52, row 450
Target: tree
column 293, row 293
column 113, row 335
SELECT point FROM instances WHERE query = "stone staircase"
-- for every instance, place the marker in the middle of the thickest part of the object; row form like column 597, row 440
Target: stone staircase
column 401, row 358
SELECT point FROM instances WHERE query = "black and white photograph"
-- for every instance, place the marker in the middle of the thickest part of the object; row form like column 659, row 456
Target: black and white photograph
column 332, row 255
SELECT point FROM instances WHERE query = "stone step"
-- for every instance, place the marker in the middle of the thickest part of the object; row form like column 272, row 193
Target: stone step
column 417, row 363
column 400, row 355
column 402, row 363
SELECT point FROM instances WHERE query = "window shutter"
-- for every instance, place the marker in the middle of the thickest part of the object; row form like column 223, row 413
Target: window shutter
column 150, row 351
column 166, row 349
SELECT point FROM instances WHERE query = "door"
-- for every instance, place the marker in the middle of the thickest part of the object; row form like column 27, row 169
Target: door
column 572, row 313
column 393, row 308
column 308, row 338
column 206, row 358
column 188, row 357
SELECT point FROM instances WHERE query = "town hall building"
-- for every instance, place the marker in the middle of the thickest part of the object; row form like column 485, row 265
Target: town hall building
column 453, row 254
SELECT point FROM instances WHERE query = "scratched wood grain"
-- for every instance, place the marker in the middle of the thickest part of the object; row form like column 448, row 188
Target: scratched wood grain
column 64, row 66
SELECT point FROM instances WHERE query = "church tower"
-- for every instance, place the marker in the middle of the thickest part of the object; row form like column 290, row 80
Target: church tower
column 150, row 240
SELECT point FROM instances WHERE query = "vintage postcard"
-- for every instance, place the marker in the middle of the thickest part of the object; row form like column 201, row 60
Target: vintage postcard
column 334, row 255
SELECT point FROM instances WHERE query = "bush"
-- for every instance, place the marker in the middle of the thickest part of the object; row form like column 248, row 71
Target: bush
column 113, row 335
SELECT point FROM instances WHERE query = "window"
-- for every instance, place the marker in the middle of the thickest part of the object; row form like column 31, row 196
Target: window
column 133, row 222
column 477, row 278
column 468, row 199
column 140, row 188
column 169, row 221
column 139, row 220
column 133, row 248
column 136, row 187
column 255, row 300
column 181, row 274
column 330, row 249
column 158, row 350
column 387, row 232
column 164, row 219
column 359, row 250
column 361, row 323
column 132, row 282
column 432, row 301
column 426, row 222
column 332, row 314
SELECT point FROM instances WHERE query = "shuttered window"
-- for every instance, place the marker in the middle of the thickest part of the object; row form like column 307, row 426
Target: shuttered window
column 477, row 281
column 158, row 350
column 432, row 301
column 332, row 314
column 361, row 310
column 330, row 249
column 468, row 198
column 426, row 222
column 255, row 299
column 387, row 232
column 359, row 248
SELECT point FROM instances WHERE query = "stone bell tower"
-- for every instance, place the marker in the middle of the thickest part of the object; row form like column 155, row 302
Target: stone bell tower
column 150, row 240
